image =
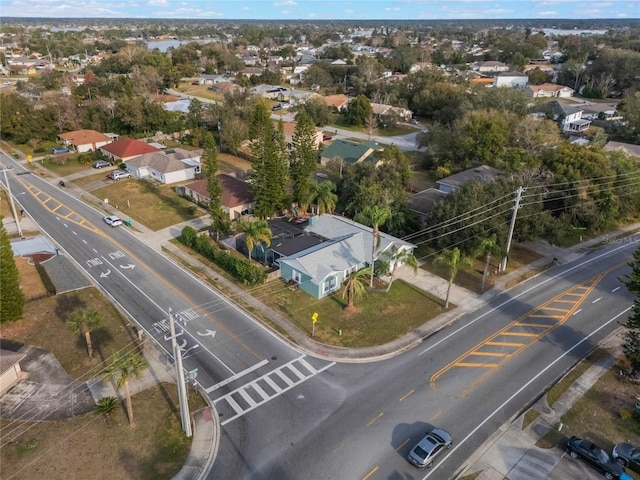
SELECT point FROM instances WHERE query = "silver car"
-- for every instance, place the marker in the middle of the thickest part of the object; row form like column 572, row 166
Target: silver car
column 426, row 450
column 113, row 221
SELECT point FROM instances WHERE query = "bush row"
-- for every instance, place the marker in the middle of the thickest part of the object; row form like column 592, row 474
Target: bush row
column 240, row 268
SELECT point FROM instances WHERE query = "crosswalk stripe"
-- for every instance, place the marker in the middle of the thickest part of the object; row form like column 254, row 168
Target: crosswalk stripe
column 273, row 384
column 284, row 378
column 238, row 409
column 297, row 372
column 259, row 390
column 243, row 392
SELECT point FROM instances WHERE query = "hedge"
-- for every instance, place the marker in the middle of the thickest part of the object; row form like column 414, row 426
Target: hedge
column 241, row 269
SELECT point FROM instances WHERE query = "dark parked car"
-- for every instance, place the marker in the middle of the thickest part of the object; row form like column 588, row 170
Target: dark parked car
column 628, row 455
column 435, row 442
column 594, row 456
column 101, row 164
column 59, row 150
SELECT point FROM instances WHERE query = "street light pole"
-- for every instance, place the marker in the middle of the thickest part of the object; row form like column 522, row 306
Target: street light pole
column 516, row 207
column 13, row 206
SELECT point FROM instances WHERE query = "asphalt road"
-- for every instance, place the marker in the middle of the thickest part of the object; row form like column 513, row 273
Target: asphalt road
column 287, row 415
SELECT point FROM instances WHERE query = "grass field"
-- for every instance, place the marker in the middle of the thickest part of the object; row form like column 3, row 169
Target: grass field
column 148, row 203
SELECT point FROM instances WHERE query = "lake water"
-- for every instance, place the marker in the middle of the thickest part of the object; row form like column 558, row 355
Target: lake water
column 164, row 45
column 561, row 32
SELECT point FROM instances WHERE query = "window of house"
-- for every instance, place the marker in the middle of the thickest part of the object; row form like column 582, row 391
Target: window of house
column 297, row 277
column 329, row 284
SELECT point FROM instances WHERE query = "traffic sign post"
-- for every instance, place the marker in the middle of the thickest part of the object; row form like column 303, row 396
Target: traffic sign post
column 314, row 319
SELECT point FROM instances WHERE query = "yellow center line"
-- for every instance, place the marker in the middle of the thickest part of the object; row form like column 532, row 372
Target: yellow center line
column 535, row 325
column 338, row 447
column 374, row 470
column 505, row 344
column 436, row 415
column 375, row 419
column 402, row 444
column 406, row 395
column 553, row 308
column 533, row 315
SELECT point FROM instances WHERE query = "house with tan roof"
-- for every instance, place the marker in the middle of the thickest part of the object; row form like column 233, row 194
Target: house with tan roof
column 290, row 134
column 549, row 90
column 127, row 148
column 84, row 140
column 237, row 199
column 338, row 102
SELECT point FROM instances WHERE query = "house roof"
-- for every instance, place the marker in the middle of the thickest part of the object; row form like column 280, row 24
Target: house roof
column 235, row 192
column 629, row 148
column 335, row 255
column 291, row 246
column 129, row 147
column 511, row 74
column 422, row 202
column 335, row 100
column 8, row 359
column 334, row 226
column 348, row 151
column 477, row 174
column 84, row 137
column 549, row 87
column 158, row 161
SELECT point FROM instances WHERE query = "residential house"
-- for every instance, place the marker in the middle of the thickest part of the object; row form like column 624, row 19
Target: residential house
column 570, row 117
column 300, row 97
column 252, row 71
column 600, row 111
column 510, row 79
column 127, row 148
column 422, row 203
column 549, row 90
column 236, row 198
column 339, row 102
column 483, row 173
column 181, row 105
column 490, row 67
column 226, row 87
column 10, row 371
column 161, row 166
column 84, row 140
column 320, row 269
column 349, row 152
column 213, row 79
column 290, row 134
column 381, row 109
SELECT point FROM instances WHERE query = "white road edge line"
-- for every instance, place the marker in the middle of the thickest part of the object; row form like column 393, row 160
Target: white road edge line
column 521, row 389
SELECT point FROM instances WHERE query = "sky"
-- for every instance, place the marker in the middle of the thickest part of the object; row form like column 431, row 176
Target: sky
column 323, row 9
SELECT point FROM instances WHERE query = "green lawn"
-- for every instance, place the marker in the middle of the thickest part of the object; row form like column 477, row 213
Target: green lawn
column 63, row 165
column 153, row 205
column 379, row 317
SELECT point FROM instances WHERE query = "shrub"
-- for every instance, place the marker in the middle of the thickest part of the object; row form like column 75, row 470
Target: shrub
column 241, row 269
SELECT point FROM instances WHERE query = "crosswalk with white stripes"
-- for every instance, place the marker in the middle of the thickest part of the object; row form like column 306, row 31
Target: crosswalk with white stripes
column 269, row 386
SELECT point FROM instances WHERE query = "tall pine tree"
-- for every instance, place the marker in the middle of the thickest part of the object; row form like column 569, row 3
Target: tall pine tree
column 11, row 296
column 631, row 345
column 303, row 159
column 270, row 177
column 219, row 219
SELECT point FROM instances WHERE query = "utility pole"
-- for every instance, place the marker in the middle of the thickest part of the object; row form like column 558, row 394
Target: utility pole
column 182, row 388
column 516, row 207
column 13, row 206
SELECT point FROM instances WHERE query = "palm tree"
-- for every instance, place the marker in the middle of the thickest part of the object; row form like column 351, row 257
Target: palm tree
column 400, row 256
column 82, row 321
column 453, row 260
column 323, row 196
column 124, row 367
column 254, row 233
column 105, row 406
column 487, row 248
column 355, row 287
column 375, row 217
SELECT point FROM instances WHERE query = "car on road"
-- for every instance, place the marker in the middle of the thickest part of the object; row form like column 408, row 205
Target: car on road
column 426, row 450
column 112, row 220
column 595, row 456
column 277, row 107
column 101, row 164
column 628, row 455
column 59, row 150
column 118, row 175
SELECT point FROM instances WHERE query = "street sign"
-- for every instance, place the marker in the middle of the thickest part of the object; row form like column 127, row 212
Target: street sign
column 30, row 158
column 314, row 317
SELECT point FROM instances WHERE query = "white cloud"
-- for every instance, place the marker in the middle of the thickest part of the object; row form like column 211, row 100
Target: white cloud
column 550, row 13
column 286, row 12
column 392, row 9
column 285, row 3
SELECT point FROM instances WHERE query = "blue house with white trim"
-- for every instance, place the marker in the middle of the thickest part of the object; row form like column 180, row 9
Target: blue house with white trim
column 321, row 269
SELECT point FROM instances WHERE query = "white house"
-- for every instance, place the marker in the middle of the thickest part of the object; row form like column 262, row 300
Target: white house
column 510, row 79
column 169, row 166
